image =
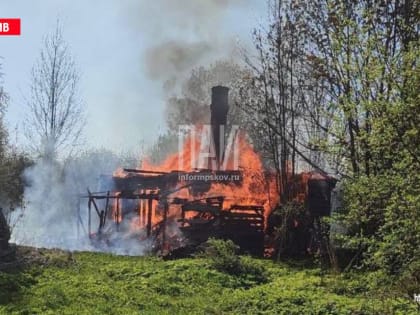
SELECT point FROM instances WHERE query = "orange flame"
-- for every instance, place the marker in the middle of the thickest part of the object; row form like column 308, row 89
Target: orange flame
column 257, row 187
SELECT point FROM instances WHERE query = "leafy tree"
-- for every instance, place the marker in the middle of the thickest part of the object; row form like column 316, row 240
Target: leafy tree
column 12, row 165
column 283, row 98
column 365, row 54
column 338, row 81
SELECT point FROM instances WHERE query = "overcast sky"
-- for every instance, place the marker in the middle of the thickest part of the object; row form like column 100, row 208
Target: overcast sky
column 125, row 50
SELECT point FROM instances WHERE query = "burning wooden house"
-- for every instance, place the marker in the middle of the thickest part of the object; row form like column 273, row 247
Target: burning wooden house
column 178, row 204
column 192, row 196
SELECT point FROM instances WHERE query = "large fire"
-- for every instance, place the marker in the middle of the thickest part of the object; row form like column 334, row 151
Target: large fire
column 208, row 188
column 256, row 187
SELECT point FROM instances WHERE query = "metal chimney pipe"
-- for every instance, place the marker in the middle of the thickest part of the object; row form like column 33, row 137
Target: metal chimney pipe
column 219, row 108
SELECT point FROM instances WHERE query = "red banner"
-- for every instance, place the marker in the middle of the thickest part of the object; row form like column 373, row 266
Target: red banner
column 9, row 26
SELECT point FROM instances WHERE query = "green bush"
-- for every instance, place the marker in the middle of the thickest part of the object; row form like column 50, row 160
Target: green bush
column 253, row 271
column 380, row 218
column 223, row 255
column 224, row 258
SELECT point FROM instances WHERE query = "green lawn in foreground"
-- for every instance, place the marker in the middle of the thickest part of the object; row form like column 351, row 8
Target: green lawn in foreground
column 92, row 283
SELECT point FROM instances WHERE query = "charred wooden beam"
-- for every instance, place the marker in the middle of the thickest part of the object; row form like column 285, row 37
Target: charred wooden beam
column 127, row 195
column 89, row 215
column 117, row 213
column 164, row 181
column 259, row 209
column 164, row 221
column 96, row 207
column 231, row 215
column 201, row 207
column 149, row 217
column 133, row 170
column 106, row 207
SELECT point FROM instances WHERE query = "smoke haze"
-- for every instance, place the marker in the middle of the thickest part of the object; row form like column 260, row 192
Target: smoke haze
column 201, row 23
column 51, row 219
column 132, row 54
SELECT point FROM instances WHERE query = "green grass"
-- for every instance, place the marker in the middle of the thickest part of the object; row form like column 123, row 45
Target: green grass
column 91, row 283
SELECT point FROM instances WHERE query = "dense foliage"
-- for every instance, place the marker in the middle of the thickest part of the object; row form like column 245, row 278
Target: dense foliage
column 12, row 162
column 382, row 210
column 89, row 283
column 382, row 200
column 334, row 86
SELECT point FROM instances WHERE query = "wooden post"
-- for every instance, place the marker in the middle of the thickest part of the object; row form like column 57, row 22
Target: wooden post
column 149, row 217
column 139, row 210
column 154, row 206
column 144, row 212
column 106, row 206
column 165, row 216
column 96, row 207
column 118, row 214
column 142, row 221
column 182, row 215
column 89, row 214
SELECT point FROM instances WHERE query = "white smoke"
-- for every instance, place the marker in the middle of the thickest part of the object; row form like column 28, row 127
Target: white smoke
column 51, row 216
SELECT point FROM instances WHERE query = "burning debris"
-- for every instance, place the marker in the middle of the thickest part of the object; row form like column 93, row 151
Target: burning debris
column 177, row 205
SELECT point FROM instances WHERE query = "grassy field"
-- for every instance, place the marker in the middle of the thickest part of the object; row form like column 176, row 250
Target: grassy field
column 92, row 283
